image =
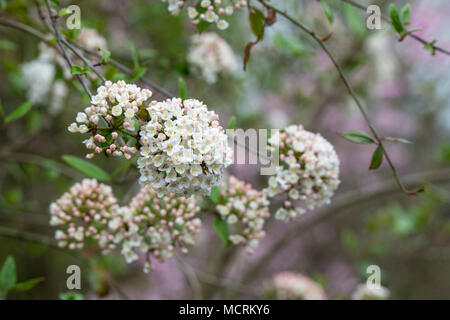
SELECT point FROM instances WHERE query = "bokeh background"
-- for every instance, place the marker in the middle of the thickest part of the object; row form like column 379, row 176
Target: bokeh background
column 288, row 81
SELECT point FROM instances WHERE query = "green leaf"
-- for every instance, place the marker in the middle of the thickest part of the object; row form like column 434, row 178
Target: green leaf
column 71, row 295
column 134, row 54
column 76, row 70
column 327, row 10
column 182, row 89
column 19, row 112
column 232, row 123
column 63, row 12
column 377, row 159
column 354, row 20
column 8, row 276
column 138, row 73
column 257, row 19
column 87, row 168
column 395, row 17
column 215, row 194
column 222, row 230
column 399, row 140
column 26, row 285
column 106, row 56
column 202, row 26
column 405, row 14
column 358, row 136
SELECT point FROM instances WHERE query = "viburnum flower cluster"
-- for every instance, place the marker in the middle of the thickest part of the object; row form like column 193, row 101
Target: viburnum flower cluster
column 308, row 171
column 212, row 56
column 155, row 226
column 209, row 11
column 83, row 216
column 294, row 286
column 184, row 149
column 244, row 211
column 89, row 216
column 117, row 105
column 42, row 85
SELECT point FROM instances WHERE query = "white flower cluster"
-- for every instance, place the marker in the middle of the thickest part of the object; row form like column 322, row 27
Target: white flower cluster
column 42, row 88
column 212, row 56
column 294, row 286
column 210, row 11
column 117, row 103
column 155, row 227
column 308, row 172
column 83, row 216
column 184, row 149
column 364, row 292
column 244, row 211
column 90, row 39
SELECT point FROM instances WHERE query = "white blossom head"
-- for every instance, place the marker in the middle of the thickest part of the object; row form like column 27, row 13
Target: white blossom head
column 83, row 216
column 184, row 149
column 365, row 292
column 155, row 226
column 116, row 105
column 212, row 56
column 207, row 11
column 245, row 212
column 308, row 171
column 294, row 286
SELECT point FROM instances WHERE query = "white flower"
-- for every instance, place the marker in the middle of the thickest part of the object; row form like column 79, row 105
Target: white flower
column 116, row 110
column 81, row 117
column 309, row 171
column 169, row 157
column 192, row 13
column 222, row 24
column 211, row 55
column 73, row 127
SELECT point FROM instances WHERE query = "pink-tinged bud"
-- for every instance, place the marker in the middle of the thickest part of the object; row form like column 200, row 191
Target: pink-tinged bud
column 89, row 156
column 112, row 147
column 108, row 151
column 108, row 117
column 126, row 124
column 98, row 150
column 114, row 135
column 127, row 156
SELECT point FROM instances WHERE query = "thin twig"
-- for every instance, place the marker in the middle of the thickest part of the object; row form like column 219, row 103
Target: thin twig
column 412, row 35
column 53, row 18
column 350, row 91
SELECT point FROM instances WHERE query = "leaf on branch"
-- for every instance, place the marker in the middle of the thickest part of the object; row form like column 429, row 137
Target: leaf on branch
column 222, row 230
column 232, row 123
column 215, row 194
column 19, row 112
column 182, row 88
column 63, row 12
column 377, row 159
column 77, row 70
column 358, row 136
column 106, row 56
column 26, row 285
column 399, row 140
column 395, row 17
column 8, row 275
column 405, row 14
column 257, row 22
column 327, row 10
column 87, row 168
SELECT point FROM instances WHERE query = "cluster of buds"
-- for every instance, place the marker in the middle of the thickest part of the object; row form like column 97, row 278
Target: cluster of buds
column 294, row 286
column 245, row 212
column 117, row 106
column 159, row 225
column 84, row 215
column 209, row 11
column 308, row 172
column 212, row 56
column 184, row 149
